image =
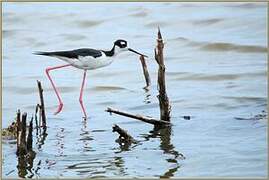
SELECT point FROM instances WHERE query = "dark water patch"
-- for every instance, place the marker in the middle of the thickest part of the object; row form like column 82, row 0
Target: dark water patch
column 139, row 14
column 257, row 117
column 230, row 86
column 207, row 22
column 59, row 18
column 105, row 88
column 63, row 89
column 20, row 90
column 234, row 47
column 248, row 5
column 73, row 37
column 176, row 73
column 87, row 23
column 223, row 106
column 12, row 18
column 8, row 33
column 34, row 77
column 188, row 5
column 216, row 77
column 156, row 24
column 5, row 57
column 33, row 42
column 31, row 107
column 180, row 39
column 204, row 77
column 222, row 46
column 177, row 101
column 246, row 99
column 140, row 36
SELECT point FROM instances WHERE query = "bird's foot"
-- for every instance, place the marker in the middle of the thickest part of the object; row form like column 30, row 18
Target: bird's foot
column 60, row 107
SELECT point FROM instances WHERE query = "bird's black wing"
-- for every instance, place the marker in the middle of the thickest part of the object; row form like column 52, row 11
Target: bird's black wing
column 73, row 54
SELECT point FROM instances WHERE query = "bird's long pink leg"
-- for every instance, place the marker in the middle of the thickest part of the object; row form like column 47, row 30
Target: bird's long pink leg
column 54, row 87
column 81, row 94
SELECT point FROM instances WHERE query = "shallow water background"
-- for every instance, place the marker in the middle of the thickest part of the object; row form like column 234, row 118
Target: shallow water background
column 216, row 59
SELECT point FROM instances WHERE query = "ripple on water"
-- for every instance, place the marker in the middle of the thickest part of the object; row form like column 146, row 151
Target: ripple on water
column 246, row 99
column 220, row 46
column 106, row 88
column 207, row 22
column 8, row 33
column 139, row 14
column 73, row 37
column 146, row 106
column 155, row 24
column 247, row 5
column 87, row 23
column 215, row 77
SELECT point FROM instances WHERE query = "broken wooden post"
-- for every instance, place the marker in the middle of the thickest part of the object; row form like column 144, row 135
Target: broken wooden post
column 29, row 143
column 165, row 107
column 18, row 126
column 36, row 122
column 146, row 119
column 146, row 72
column 21, row 140
column 124, row 136
column 42, row 106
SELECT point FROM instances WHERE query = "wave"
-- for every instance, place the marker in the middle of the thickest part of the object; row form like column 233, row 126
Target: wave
column 222, row 46
column 246, row 99
column 106, row 88
column 139, row 14
column 217, row 77
column 234, row 47
column 207, row 21
column 88, row 23
column 73, row 37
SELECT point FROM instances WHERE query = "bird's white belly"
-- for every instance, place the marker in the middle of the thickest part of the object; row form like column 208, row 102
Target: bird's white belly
column 89, row 62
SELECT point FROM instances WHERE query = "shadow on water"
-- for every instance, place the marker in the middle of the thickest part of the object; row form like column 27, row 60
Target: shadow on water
column 164, row 133
column 147, row 94
column 60, row 141
column 85, row 137
column 26, row 163
column 41, row 137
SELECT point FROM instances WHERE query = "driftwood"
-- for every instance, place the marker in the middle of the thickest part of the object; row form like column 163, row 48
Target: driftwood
column 165, row 107
column 42, row 105
column 124, row 136
column 146, row 72
column 145, row 119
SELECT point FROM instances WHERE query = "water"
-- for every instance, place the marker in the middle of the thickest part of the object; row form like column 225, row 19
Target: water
column 216, row 58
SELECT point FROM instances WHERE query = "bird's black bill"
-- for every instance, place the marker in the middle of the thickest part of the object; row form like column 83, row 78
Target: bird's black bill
column 137, row 52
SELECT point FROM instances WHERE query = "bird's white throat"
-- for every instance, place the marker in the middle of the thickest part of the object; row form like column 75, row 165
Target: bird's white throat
column 118, row 50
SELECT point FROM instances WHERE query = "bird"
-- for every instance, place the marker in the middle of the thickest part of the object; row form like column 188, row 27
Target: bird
column 85, row 59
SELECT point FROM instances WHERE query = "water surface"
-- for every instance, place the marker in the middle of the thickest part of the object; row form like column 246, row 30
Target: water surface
column 216, row 58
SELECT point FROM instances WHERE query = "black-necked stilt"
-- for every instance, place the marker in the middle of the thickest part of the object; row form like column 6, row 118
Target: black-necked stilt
column 86, row 59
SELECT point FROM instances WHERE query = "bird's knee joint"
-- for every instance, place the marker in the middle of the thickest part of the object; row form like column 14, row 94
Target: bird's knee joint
column 47, row 70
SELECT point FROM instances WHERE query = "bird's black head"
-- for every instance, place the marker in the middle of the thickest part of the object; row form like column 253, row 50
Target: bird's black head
column 122, row 46
column 121, row 43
